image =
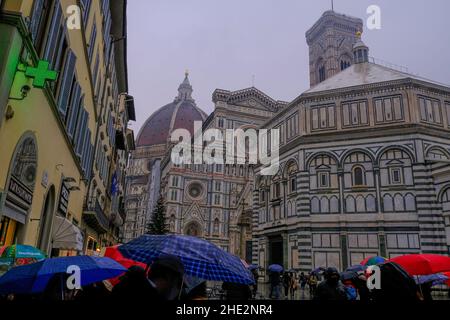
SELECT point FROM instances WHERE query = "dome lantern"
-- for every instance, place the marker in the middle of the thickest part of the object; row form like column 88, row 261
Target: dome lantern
column 360, row 50
column 185, row 89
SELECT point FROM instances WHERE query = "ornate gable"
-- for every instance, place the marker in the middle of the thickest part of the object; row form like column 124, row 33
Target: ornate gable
column 250, row 97
column 194, row 212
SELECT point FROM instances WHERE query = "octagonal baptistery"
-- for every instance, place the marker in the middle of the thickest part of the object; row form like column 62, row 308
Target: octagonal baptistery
column 181, row 113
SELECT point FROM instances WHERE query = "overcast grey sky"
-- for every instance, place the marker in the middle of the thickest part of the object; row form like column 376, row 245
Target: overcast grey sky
column 223, row 43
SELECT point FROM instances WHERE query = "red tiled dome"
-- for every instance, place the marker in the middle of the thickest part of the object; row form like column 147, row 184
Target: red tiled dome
column 176, row 115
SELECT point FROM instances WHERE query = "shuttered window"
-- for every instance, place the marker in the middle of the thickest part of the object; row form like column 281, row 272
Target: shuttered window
column 95, row 73
column 75, row 105
column 107, row 34
column 86, row 4
column 81, row 131
column 68, row 74
column 92, row 42
column 36, row 17
column 54, row 34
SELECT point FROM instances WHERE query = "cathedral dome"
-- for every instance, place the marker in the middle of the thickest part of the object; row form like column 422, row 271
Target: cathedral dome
column 181, row 113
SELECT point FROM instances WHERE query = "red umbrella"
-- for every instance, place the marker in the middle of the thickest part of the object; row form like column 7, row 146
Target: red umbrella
column 423, row 264
column 447, row 274
column 115, row 254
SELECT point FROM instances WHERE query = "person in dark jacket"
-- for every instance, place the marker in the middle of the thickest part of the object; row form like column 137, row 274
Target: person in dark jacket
column 93, row 292
column 332, row 288
column 166, row 276
column 236, row 291
column 164, row 281
column 361, row 286
column 274, row 279
column 134, row 286
column 286, row 283
column 255, row 274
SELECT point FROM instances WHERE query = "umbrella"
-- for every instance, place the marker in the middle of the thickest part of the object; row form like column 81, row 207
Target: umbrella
column 396, row 284
column 447, row 274
column 275, row 268
column 436, row 278
column 371, row 261
column 423, row 264
column 33, row 278
column 200, row 258
column 190, row 283
column 356, row 268
column 253, row 267
column 115, row 254
column 318, row 270
column 349, row 275
column 20, row 254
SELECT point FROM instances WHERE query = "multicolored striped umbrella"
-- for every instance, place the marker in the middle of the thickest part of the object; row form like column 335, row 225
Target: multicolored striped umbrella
column 372, row 261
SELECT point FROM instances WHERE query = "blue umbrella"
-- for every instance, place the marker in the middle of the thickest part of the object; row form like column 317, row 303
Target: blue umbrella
column 253, row 267
column 356, row 268
column 318, row 270
column 436, row 279
column 33, row 278
column 348, row 275
column 200, row 258
column 275, row 268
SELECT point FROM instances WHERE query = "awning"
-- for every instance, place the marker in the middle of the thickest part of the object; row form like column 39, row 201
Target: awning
column 66, row 235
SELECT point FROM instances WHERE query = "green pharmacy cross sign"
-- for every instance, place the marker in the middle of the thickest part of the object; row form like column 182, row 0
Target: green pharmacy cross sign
column 41, row 74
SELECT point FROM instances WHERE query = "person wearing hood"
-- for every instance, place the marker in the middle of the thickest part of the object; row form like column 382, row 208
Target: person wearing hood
column 332, row 288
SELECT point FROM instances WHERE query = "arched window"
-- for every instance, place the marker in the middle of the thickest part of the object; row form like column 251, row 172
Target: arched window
column 350, row 204
column 25, row 163
column 334, row 204
column 358, row 176
column 276, row 190
column 399, row 204
column 324, row 205
column 315, row 205
column 321, row 73
column 370, row 203
column 388, row 203
column 262, row 195
column 360, row 204
column 172, row 223
column 291, row 176
column 216, row 227
column 410, row 202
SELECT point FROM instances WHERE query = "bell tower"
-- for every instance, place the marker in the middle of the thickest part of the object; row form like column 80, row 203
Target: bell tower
column 330, row 42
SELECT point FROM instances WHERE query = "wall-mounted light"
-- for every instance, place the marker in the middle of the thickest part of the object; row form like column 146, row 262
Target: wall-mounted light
column 70, row 180
column 9, row 114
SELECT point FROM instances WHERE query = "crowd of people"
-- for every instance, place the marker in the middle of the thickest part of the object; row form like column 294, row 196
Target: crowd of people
column 331, row 285
column 166, row 280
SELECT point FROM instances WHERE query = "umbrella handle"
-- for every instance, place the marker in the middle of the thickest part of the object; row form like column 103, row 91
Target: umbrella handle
column 181, row 289
column 62, row 287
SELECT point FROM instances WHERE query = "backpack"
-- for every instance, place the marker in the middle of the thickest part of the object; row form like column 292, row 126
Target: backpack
column 351, row 293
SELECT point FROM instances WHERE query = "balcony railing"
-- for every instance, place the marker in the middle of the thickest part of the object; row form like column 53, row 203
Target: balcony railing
column 94, row 216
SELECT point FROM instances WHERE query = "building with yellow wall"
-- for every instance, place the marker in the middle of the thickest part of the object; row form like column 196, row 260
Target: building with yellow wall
column 63, row 123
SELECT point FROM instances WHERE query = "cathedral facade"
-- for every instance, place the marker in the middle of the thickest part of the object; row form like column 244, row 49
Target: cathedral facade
column 152, row 145
column 215, row 201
